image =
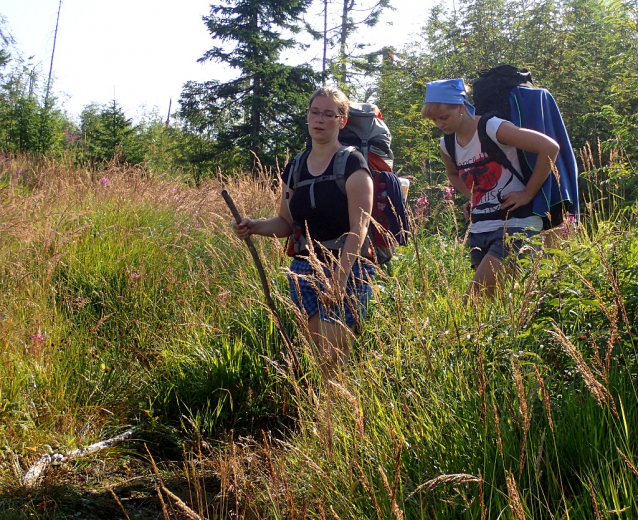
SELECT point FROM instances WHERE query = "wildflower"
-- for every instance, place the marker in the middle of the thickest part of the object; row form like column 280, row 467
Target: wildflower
column 422, row 206
column 569, row 225
column 187, row 228
column 173, row 190
column 134, row 275
column 196, row 224
column 448, row 193
column 571, row 222
column 38, row 338
column 104, row 181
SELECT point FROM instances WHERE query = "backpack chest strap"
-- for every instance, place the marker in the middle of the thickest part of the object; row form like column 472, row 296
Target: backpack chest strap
column 312, row 183
column 338, row 175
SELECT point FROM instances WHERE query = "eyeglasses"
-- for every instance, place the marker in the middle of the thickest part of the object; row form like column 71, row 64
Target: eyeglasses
column 328, row 114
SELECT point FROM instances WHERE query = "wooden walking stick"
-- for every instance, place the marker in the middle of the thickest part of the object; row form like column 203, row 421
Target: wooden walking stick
column 264, row 283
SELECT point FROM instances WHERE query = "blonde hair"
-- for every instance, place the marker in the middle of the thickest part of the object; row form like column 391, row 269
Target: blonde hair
column 432, row 110
column 337, row 95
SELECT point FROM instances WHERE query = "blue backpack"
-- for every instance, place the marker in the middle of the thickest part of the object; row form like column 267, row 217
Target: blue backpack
column 508, row 92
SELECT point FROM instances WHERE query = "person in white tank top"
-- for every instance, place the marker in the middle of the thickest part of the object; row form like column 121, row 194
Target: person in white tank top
column 497, row 197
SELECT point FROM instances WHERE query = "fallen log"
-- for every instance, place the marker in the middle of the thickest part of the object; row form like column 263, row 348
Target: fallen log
column 34, row 474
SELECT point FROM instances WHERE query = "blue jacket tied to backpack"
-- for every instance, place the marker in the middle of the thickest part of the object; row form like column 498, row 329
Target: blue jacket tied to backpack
column 553, row 195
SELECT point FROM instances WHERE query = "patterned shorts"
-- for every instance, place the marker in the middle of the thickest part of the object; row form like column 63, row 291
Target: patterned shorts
column 307, row 290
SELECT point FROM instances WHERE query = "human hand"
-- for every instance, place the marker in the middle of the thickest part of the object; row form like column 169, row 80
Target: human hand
column 244, row 229
column 515, row 199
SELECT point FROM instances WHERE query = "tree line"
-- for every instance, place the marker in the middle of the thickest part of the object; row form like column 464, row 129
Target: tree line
column 584, row 51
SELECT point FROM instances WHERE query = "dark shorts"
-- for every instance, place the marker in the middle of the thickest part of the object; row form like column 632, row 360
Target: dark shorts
column 496, row 243
column 306, row 290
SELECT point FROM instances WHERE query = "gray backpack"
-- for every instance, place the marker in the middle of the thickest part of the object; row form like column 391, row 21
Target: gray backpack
column 367, row 132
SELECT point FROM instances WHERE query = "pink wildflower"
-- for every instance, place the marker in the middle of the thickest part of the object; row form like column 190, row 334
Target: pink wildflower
column 196, row 224
column 422, row 206
column 570, row 223
column 448, row 193
column 38, row 338
column 569, row 226
column 104, row 181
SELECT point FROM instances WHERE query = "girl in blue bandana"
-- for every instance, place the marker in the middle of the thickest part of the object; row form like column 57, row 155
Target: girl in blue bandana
column 499, row 201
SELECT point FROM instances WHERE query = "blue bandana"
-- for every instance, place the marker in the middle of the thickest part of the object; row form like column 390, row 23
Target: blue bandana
column 449, row 91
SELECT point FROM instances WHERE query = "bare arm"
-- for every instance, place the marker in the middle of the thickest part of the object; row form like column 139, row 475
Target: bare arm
column 455, row 180
column 279, row 226
column 453, row 176
column 359, row 193
column 530, row 141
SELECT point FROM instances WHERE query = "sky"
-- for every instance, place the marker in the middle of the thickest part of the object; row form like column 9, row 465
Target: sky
column 141, row 52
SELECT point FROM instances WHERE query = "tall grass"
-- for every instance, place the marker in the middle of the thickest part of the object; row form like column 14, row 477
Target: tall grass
column 123, row 301
column 127, row 300
column 453, row 412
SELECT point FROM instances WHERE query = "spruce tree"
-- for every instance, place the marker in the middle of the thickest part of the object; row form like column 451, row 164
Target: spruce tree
column 109, row 135
column 255, row 117
column 352, row 61
column 6, row 41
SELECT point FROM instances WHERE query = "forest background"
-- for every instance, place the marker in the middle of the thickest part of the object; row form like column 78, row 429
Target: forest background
column 127, row 303
column 583, row 52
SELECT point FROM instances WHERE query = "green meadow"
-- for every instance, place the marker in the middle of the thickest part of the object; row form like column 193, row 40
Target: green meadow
column 126, row 303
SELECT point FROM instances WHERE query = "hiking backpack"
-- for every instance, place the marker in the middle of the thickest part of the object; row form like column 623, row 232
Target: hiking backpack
column 509, row 93
column 367, row 132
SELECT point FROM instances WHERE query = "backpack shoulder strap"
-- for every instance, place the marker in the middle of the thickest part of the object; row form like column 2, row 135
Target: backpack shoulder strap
column 339, row 167
column 293, row 176
column 492, row 149
column 295, row 169
column 449, row 140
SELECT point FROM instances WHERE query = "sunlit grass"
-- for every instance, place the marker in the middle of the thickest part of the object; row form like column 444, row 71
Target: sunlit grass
column 126, row 300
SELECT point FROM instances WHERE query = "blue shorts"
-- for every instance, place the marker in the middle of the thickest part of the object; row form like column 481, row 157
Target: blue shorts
column 306, row 290
column 496, row 244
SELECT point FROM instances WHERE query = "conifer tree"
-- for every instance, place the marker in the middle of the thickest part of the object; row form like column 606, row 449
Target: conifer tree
column 108, row 134
column 6, row 40
column 355, row 14
column 259, row 113
column 26, row 124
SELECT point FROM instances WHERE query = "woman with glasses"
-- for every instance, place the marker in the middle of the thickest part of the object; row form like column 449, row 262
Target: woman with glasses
column 330, row 285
